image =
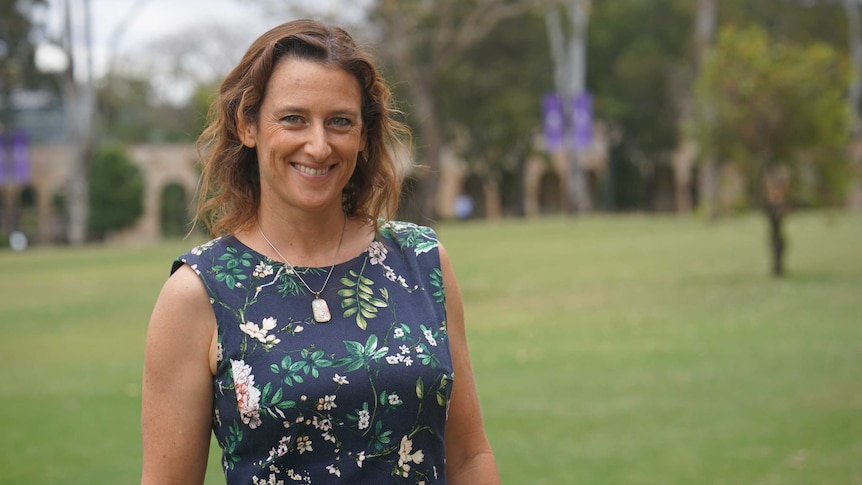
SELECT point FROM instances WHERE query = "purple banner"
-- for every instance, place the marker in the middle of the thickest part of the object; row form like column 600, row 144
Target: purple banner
column 21, row 156
column 553, row 121
column 4, row 173
column 582, row 120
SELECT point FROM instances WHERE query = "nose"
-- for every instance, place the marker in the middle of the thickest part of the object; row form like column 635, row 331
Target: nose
column 317, row 143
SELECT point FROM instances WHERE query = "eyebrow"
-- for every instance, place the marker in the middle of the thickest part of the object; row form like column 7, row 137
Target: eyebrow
column 282, row 110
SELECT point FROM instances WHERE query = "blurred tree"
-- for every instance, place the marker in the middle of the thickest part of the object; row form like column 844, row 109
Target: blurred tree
column 116, row 192
column 17, row 72
column 79, row 97
column 685, row 153
column 638, row 55
column 17, row 53
column 776, row 110
column 491, row 98
column 130, row 111
column 422, row 41
column 569, row 54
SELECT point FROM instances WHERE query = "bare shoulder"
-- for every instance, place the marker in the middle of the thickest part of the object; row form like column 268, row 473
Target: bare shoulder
column 183, row 310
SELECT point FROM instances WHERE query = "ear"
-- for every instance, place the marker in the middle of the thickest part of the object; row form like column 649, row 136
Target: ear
column 246, row 131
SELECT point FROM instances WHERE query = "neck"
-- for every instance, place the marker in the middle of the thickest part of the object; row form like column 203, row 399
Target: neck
column 305, row 240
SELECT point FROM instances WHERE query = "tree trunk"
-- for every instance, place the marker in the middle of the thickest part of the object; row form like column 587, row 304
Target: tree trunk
column 80, row 100
column 775, row 216
column 776, row 182
column 428, row 175
column 686, row 151
column 569, row 55
column 709, row 188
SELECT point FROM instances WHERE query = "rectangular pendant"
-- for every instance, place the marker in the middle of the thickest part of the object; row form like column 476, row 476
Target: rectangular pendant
column 320, row 310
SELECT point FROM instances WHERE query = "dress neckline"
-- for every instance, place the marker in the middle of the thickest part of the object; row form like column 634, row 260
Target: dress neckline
column 364, row 253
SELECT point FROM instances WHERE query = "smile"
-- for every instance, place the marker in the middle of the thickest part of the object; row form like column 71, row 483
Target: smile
column 312, row 171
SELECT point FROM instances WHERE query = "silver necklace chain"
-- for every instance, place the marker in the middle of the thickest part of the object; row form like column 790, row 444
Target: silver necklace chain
column 293, row 268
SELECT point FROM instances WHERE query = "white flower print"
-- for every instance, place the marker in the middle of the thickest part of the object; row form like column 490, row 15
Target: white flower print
column 360, row 458
column 394, row 399
column 376, row 252
column 390, row 273
column 399, row 333
column 430, row 338
column 405, row 456
column 333, row 470
column 364, row 419
column 272, row 480
column 326, row 403
column 297, row 477
column 260, row 333
column 408, row 361
column 280, row 450
column 247, row 396
column 262, row 270
column 321, row 424
column 394, row 359
column 303, row 444
column 404, row 349
column 340, row 379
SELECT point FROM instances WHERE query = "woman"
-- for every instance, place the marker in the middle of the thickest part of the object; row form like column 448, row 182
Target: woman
column 318, row 343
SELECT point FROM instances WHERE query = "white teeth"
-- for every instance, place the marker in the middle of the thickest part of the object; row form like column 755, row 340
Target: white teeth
column 311, row 171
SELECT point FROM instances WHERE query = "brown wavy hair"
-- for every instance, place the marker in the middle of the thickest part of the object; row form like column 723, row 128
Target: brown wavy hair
column 229, row 190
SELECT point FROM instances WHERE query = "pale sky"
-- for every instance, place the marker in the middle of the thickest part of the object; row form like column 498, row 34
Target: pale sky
column 127, row 29
column 114, row 29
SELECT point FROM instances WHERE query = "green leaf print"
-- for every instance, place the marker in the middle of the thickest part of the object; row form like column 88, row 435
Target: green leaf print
column 381, row 438
column 233, row 438
column 421, row 239
column 361, row 355
column 313, row 360
column 425, row 246
column 436, row 278
column 272, row 405
column 358, row 299
column 289, row 370
column 232, row 272
column 420, row 388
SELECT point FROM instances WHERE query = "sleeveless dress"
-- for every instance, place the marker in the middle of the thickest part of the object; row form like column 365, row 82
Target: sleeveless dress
column 362, row 398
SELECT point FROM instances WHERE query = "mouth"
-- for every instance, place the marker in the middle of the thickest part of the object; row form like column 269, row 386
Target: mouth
column 312, row 171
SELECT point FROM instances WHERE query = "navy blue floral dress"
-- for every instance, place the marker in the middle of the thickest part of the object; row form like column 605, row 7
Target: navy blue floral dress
column 359, row 399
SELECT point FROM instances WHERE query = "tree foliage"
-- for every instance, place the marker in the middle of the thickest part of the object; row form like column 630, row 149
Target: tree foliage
column 493, row 95
column 776, row 110
column 116, row 192
column 17, row 52
column 765, row 103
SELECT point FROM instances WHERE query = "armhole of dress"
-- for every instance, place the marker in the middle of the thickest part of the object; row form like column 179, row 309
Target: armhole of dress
column 176, row 265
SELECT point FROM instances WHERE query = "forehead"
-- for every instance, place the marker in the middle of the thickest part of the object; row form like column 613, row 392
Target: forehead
column 308, row 81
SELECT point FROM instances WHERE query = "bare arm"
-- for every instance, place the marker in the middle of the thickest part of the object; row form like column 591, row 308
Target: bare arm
column 177, row 402
column 469, row 459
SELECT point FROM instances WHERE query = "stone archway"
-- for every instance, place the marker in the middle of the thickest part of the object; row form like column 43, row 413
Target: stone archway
column 174, row 214
column 163, row 165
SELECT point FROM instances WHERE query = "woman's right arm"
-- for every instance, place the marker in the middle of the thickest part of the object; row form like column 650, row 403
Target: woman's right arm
column 177, row 397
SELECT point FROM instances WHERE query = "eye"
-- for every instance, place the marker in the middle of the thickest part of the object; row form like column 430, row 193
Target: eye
column 341, row 122
column 292, row 120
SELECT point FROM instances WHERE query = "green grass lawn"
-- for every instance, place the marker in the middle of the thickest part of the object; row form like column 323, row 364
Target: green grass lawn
column 608, row 350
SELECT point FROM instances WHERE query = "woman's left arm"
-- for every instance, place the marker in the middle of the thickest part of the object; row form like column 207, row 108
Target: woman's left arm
column 469, row 459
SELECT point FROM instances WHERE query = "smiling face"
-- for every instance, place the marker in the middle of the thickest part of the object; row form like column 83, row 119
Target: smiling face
column 307, row 136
